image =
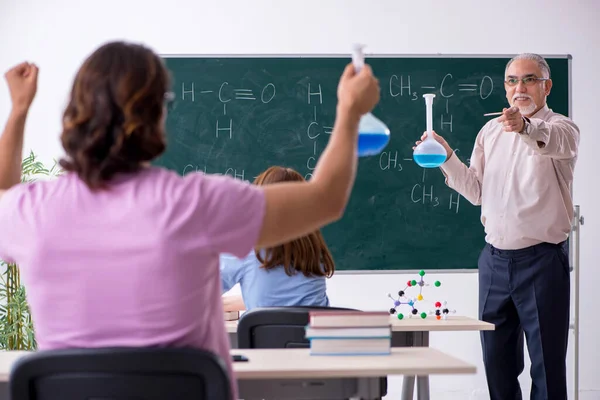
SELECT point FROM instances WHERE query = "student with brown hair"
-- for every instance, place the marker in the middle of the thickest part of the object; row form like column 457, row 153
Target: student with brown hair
column 288, row 274
column 119, row 253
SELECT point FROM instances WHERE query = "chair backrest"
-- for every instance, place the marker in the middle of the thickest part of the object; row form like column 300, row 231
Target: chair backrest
column 276, row 327
column 120, row 374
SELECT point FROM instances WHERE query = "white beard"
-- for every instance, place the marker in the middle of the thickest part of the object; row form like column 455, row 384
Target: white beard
column 526, row 110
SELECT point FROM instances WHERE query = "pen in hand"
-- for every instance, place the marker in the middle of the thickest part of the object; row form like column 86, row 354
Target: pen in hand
column 494, row 113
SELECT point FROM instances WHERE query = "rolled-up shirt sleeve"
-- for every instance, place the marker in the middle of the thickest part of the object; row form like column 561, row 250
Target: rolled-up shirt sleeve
column 557, row 138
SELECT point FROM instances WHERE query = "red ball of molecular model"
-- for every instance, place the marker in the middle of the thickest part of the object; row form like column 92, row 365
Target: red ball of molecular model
column 441, row 310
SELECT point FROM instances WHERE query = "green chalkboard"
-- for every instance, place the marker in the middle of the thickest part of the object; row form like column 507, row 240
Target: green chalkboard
column 239, row 115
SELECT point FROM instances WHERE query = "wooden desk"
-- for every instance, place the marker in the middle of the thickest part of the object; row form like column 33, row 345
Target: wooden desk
column 294, row 373
column 298, row 363
column 410, row 332
column 453, row 323
column 430, row 324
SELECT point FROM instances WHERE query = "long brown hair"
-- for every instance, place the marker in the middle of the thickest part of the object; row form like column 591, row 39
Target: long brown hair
column 114, row 119
column 308, row 254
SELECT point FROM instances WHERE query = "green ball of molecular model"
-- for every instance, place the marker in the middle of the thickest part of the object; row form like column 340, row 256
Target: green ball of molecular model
column 422, row 315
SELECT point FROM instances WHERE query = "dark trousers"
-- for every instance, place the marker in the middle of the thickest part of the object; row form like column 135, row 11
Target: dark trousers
column 525, row 292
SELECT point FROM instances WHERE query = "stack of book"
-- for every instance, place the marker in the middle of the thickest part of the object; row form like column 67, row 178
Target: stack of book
column 339, row 332
column 232, row 315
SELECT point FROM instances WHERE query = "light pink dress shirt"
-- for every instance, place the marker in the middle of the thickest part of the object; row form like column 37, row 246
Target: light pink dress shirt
column 522, row 181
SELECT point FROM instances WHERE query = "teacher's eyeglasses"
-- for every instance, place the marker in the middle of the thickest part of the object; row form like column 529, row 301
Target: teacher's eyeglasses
column 527, row 81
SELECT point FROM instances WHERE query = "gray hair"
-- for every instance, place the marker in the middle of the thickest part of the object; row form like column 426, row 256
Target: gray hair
column 541, row 62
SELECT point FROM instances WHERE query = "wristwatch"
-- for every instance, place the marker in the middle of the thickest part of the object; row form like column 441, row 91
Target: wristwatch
column 526, row 126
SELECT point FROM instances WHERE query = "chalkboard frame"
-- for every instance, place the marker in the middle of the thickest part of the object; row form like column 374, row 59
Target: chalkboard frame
column 567, row 56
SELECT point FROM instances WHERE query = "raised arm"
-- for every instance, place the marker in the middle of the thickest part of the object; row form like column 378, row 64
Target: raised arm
column 557, row 138
column 22, row 85
column 294, row 209
column 466, row 180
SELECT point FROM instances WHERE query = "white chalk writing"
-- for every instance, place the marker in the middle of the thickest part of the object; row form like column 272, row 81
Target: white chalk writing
column 235, row 95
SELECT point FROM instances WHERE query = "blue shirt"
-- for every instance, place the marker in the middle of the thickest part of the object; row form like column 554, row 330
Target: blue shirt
column 271, row 288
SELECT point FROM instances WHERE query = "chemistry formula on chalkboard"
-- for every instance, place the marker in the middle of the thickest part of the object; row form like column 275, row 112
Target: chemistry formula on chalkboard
column 238, row 116
column 402, row 85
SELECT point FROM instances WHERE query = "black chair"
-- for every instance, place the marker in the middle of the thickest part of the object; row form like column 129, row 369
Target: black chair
column 280, row 327
column 276, row 327
column 120, row 374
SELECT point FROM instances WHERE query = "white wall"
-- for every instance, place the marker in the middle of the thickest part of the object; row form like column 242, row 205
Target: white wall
column 58, row 34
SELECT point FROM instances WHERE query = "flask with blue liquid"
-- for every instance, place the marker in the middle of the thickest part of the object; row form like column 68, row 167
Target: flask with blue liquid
column 429, row 153
column 373, row 135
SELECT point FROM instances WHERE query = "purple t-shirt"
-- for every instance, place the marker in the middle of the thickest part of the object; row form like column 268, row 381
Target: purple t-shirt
column 135, row 265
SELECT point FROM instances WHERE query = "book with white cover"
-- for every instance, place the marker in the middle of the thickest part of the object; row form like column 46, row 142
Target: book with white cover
column 367, row 332
column 350, row 346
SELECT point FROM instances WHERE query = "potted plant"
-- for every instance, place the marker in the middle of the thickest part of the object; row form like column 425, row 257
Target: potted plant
column 16, row 326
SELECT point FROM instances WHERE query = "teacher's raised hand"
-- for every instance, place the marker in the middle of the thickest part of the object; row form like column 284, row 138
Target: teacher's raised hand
column 512, row 120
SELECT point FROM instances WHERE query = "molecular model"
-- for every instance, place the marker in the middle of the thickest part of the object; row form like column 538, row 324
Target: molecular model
column 441, row 313
column 411, row 302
